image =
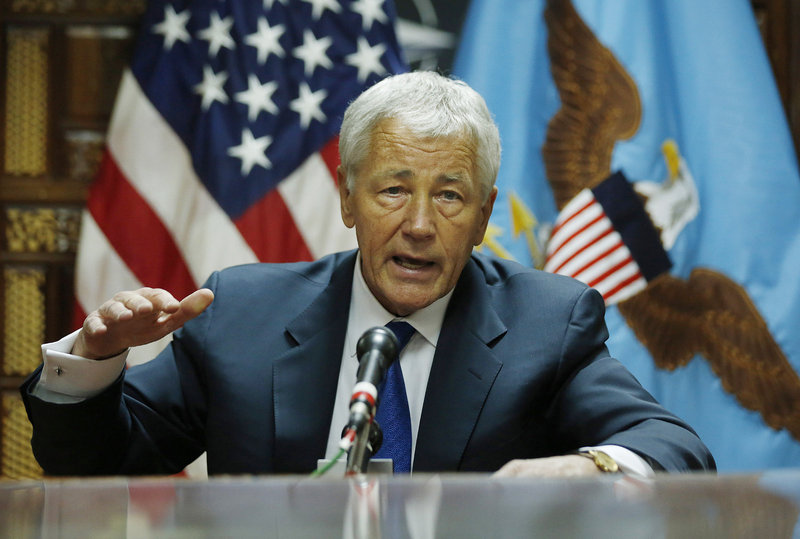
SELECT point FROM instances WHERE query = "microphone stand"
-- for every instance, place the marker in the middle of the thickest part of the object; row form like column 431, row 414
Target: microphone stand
column 358, row 456
column 367, row 439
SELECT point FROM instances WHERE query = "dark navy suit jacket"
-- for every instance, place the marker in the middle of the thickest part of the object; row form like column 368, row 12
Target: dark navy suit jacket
column 520, row 371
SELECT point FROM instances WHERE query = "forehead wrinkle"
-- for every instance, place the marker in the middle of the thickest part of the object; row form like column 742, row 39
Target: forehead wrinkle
column 452, row 178
column 398, row 173
column 443, row 179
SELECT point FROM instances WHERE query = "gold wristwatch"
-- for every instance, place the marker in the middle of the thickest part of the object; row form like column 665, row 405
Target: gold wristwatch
column 603, row 462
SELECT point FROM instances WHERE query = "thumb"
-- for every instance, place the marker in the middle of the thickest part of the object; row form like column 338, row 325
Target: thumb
column 190, row 307
column 195, row 303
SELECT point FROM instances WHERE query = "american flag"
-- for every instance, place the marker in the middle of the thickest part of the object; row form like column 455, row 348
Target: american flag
column 222, row 147
column 604, row 238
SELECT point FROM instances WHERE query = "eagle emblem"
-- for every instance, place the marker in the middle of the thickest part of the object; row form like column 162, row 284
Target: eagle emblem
column 675, row 319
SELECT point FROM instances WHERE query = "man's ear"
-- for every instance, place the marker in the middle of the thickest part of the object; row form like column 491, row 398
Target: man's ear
column 344, row 197
column 486, row 213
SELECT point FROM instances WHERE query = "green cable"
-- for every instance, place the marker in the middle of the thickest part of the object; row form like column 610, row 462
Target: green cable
column 319, row 471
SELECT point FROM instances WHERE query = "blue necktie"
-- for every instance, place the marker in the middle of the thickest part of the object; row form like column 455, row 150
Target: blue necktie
column 393, row 414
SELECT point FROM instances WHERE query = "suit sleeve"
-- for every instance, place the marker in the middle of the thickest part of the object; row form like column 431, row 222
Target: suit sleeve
column 149, row 421
column 600, row 402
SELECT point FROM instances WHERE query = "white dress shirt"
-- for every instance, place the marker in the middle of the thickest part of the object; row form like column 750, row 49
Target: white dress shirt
column 415, row 359
column 67, row 378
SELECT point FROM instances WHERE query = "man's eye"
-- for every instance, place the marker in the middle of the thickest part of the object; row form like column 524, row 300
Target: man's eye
column 451, row 195
column 392, row 190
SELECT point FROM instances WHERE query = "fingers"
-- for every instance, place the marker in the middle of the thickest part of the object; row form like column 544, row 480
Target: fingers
column 190, row 307
column 134, row 318
column 94, row 325
column 155, row 302
column 124, row 305
column 161, row 300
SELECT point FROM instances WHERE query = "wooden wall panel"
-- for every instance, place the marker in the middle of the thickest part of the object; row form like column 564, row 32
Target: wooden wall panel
column 779, row 21
column 61, row 65
column 93, row 69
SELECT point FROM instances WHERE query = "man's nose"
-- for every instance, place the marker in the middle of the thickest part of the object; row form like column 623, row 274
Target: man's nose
column 419, row 221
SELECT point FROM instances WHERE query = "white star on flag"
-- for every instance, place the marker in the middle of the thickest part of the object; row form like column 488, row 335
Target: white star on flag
column 252, row 151
column 312, row 52
column 173, row 27
column 307, row 105
column 367, row 59
column 318, row 6
column 258, row 97
column 218, row 34
column 266, row 40
column 370, row 11
column 211, row 87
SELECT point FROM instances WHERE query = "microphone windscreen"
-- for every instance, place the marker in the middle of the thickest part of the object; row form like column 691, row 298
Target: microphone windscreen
column 380, row 339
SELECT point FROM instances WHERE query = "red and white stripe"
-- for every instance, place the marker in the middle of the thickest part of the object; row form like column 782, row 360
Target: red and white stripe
column 151, row 222
column 585, row 246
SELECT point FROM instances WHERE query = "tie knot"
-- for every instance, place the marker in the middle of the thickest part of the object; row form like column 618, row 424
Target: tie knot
column 403, row 331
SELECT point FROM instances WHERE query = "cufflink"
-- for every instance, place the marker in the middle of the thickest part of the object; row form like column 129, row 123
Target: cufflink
column 602, row 460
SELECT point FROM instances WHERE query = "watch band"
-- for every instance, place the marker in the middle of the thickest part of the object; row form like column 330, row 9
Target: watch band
column 602, row 460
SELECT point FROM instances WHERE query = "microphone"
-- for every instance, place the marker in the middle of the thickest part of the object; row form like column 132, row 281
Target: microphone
column 376, row 350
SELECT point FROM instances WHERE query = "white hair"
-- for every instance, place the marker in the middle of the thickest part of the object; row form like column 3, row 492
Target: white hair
column 429, row 105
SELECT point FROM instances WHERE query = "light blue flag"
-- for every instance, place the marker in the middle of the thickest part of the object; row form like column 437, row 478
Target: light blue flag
column 677, row 96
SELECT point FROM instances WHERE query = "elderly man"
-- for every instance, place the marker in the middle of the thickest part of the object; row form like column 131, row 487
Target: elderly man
column 506, row 368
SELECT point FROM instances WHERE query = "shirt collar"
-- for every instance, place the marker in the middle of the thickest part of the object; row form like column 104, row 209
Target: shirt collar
column 427, row 321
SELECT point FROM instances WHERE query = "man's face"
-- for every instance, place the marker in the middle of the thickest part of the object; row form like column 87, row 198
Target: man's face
column 418, row 211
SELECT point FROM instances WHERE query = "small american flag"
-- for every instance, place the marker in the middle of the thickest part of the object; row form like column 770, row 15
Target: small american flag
column 604, row 238
column 222, row 147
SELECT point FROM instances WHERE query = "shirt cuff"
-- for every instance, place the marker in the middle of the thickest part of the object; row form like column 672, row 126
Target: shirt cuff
column 629, row 462
column 69, row 378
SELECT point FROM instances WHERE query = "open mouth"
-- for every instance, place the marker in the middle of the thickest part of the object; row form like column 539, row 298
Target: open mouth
column 411, row 263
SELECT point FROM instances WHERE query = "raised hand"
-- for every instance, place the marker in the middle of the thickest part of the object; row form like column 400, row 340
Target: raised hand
column 136, row 318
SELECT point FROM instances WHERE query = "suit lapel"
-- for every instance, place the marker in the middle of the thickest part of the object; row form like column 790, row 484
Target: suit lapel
column 464, row 369
column 305, row 377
